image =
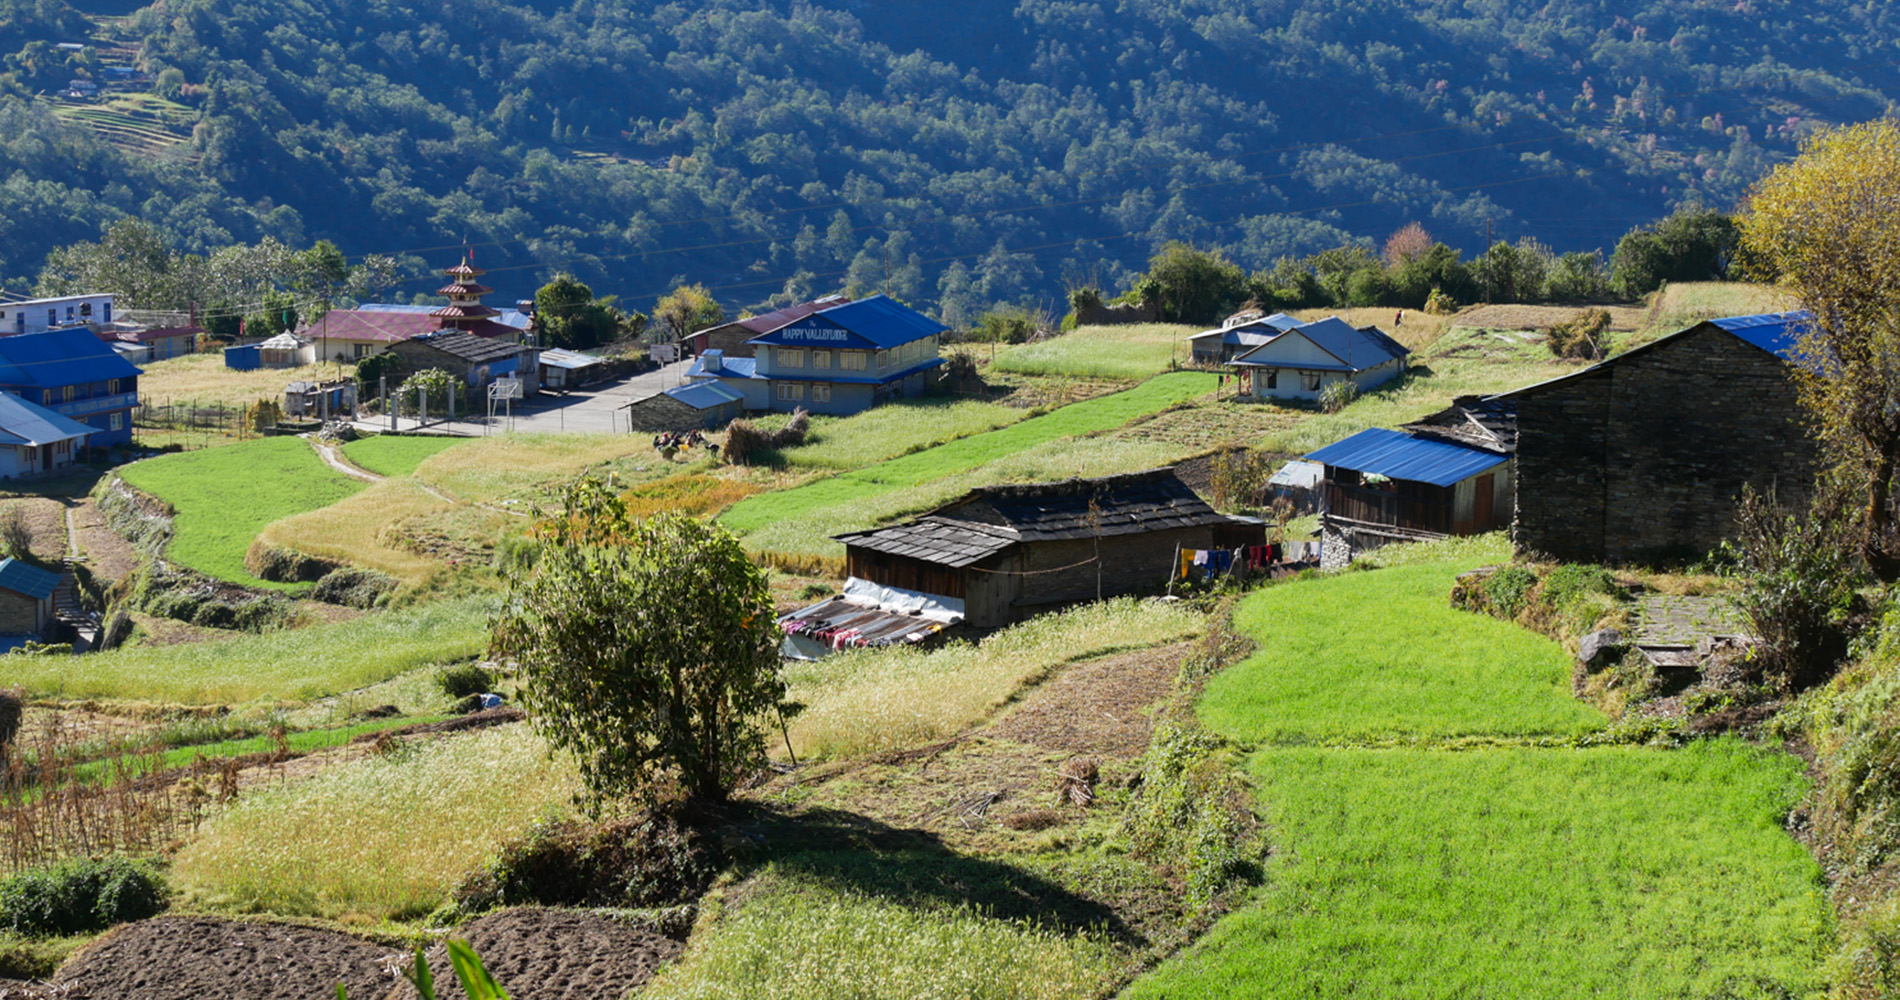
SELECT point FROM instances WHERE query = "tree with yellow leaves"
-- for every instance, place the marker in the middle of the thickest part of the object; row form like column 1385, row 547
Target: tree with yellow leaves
column 1827, row 227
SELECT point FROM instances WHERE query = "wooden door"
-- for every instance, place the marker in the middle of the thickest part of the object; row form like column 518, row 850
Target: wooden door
column 1483, row 505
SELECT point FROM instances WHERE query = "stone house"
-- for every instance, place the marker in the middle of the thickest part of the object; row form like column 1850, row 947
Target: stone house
column 26, row 599
column 1640, row 458
column 476, row 360
column 1002, row 553
column 701, row 406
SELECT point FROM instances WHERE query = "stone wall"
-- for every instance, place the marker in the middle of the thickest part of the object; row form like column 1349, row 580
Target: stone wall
column 1642, row 460
column 19, row 614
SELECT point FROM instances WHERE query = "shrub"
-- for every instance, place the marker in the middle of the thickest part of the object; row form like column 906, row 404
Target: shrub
column 12, row 710
column 464, row 679
column 80, row 895
column 1440, row 304
column 1574, row 593
column 1338, row 395
column 744, row 439
column 16, row 539
column 265, row 614
column 1503, row 593
column 1798, row 589
column 1193, row 808
column 1583, row 336
column 646, row 860
column 353, row 587
column 960, row 367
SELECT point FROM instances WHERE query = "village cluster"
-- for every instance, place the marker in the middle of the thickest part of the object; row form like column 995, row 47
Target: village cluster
column 1622, row 460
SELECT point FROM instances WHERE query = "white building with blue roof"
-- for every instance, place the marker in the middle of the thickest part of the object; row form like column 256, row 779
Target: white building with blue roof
column 845, row 359
column 34, row 440
column 1299, row 362
column 76, row 376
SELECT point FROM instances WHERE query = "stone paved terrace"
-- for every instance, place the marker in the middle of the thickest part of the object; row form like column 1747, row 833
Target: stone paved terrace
column 1668, row 620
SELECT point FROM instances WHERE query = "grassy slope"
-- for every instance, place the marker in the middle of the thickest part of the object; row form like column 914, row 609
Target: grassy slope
column 1133, row 352
column 1496, row 872
column 300, row 664
column 958, row 456
column 1382, row 654
column 224, row 496
column 391, row 455
column 1520, row 873
column 897, row 428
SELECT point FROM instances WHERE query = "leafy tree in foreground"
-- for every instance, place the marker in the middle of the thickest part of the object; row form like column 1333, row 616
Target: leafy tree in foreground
column 687, row 309
column 648, row 648
column 566, row 310
column 1828, row 226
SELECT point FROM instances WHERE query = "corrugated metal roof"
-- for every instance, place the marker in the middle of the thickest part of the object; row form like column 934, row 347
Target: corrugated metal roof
column 1356, row 349
column 23, row 578
column 468, row 347
column 1299, row 473
column 1401, row 456
column 25, row 423
column 728, row 367
column 778, row 319
column 1776, row 333
column 58, row 358
column 555, row 357
column 704, row 395
column 877, row 322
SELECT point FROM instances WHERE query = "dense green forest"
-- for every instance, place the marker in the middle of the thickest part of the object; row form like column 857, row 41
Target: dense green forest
column 956, row 154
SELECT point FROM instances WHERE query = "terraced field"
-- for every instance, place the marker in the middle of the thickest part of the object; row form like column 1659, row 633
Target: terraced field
column 136, row 123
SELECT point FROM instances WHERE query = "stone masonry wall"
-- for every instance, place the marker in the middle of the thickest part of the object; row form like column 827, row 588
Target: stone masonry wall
column 1644, row 461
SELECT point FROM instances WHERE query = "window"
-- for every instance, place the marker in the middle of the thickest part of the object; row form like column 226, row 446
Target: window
column 883, row 360
column 1309, row 381
column 791, row 391
column 118, row 421
column 1270, row 379
column 791, row 357
column 69, row 314
column 66, row 394
column 46, row 397
column 112, row 387
column 820, row 360
column 362, row 351
column 821, row 393
column 52, row 317
column 851, row 361
column 85, row 309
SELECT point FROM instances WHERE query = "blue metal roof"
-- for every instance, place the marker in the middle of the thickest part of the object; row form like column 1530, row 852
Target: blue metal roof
column 704, row 395
column 1395, row 455
column 728, row 367
column 24, row 578
column 60, row 357
column 25, row 423
column 878, row 323
column 1776, row 333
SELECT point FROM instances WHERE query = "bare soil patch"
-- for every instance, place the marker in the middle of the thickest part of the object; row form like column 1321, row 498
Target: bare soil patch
column 543, row 954
column 45, row 521
column 1098, row 707
column 201, row 958
column 111, row 557
column 1622, row 318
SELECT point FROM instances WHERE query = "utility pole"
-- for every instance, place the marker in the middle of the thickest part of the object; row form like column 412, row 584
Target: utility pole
column 1487, row 251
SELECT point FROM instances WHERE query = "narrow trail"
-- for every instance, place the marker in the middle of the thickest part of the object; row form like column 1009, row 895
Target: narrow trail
column 329, row 456
column 72, row 532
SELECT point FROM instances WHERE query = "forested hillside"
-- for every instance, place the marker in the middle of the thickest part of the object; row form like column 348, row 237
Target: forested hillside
column 958, row 154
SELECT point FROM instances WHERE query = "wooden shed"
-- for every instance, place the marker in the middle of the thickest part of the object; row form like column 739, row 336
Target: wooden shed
column 1002, row 553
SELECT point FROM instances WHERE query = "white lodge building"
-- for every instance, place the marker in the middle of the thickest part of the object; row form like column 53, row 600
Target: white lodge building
column 1301, row 361
column 844, row 359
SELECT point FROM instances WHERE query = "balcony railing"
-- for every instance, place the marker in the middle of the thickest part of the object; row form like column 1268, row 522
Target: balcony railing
column 1367, row 506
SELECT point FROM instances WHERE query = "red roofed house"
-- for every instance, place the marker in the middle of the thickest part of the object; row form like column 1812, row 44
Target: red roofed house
column 354, row 334
column 734, row 338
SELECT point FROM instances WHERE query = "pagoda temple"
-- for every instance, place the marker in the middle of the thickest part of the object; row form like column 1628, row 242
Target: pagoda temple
column 465, row 311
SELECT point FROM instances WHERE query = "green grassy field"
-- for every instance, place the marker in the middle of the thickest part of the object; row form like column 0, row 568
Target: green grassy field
column 897, row 428
column 1510, row 873
column 1382, row 654
column 1135, row 351
column 1104, row 413
column 298, row 664
column 393, row 455
column 224, row 496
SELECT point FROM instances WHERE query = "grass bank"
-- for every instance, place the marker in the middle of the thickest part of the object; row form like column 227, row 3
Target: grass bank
column 394, row 455
column 894, row 429
column 1382, row 654
column 1135, row 351
column 1521, row 873
column 1095, row 415
column 298, row 664
column 224, row 496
